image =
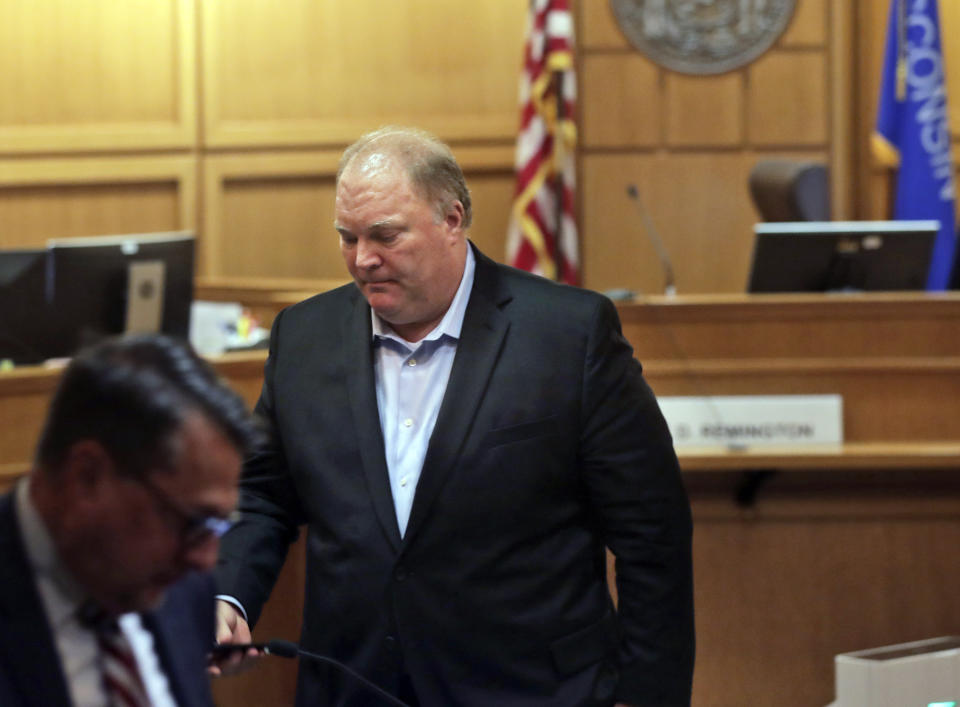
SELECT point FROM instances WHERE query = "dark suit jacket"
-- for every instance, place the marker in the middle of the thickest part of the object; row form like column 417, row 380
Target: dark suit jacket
column 30, row 672
column 548, row 446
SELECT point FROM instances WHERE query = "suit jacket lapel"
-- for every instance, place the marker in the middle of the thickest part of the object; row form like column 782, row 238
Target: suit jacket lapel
column 167, row 635
column 481, row 338
column 358, row 352
column 26, row 642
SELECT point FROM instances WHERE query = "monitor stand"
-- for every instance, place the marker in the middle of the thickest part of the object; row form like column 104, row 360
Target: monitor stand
column 145, row 280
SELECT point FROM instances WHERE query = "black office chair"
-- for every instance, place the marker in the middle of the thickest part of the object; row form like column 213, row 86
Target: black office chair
column 784, row 190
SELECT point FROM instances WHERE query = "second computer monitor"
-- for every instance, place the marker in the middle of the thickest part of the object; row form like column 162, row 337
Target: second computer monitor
column 826, row 256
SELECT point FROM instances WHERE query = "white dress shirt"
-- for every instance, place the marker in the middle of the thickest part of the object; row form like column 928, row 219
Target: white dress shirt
column 77, row 645
column 411, row 379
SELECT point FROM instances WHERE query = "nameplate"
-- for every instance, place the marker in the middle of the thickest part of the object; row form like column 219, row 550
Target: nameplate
column 749, row 420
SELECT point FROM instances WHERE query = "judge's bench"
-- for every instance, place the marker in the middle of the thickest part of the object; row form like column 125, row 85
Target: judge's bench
column 800, row 552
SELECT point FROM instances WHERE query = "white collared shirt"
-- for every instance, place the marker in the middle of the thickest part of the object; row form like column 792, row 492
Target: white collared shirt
column 77, row 645
column 411, row 380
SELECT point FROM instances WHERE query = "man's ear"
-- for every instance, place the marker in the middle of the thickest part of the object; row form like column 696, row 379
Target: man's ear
column 86, row 465
column 455, row 216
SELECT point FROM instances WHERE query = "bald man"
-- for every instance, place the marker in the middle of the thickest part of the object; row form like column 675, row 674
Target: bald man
column 462, row 441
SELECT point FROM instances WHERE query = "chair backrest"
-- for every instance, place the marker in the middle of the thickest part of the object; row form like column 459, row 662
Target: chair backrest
column 784, row 190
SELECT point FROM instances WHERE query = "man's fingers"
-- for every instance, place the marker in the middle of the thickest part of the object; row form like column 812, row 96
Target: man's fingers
column 231, row 626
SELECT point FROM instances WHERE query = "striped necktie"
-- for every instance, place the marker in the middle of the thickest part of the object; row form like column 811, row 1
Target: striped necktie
column 121, row 677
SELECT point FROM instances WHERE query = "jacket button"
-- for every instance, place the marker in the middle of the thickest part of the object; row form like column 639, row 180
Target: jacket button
column 401, row 574
column 390, row 644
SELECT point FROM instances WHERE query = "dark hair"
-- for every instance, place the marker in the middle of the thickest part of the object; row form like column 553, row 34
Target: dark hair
column 132, row 394
column 430, row 164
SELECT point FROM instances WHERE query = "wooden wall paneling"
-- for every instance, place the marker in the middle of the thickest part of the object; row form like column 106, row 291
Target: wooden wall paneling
column 699, row 203
column 47, row 198
column 704, row 111
column 871, row 576
column 22, row 408
column 949, row 32
column 873, row 181
column 97, row 75
column 596, row 26
column 270, row 215
column 642, row 122
column 809, row 25
column 621, row 101
column 492, row 196
column 787, row 99
column 844, row 151
column 323, row 73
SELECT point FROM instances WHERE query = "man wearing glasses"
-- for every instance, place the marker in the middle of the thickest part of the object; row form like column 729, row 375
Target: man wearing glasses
column 104, row 547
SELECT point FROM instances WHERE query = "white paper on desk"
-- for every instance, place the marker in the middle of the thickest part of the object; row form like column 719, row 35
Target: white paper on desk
column 211, row 324
column 751, row 420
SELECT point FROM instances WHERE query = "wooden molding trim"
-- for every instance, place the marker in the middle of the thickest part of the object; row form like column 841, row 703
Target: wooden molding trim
column 760, row 367
column 842, row 108
column 340, row 133
column 886, row 456
column 179, row 169
column 746, row 307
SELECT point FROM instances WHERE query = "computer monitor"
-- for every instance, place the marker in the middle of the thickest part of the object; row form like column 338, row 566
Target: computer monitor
column 106, row 285
column 23, row 308
column 829, row 256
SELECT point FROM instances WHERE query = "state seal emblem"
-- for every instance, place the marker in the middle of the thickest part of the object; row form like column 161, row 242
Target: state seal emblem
column 702, row 36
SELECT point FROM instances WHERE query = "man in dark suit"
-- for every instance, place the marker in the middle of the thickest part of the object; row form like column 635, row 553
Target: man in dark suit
column 463, row 440
column 104, row 547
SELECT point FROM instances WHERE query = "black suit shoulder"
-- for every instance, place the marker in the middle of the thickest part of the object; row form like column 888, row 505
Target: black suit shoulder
column 328, row 302
column 526, row 294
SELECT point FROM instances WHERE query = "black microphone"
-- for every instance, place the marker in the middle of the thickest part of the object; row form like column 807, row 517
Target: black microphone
column 289, row 649
column 669, row 288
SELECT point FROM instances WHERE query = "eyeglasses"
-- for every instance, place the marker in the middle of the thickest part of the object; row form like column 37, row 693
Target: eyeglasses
column 195, row 528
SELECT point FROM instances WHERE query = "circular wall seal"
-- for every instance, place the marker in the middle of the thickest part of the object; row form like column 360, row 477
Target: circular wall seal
column 702, row 36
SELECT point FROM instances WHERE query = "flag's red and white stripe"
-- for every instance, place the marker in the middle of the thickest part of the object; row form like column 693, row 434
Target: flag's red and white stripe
column 543, row 232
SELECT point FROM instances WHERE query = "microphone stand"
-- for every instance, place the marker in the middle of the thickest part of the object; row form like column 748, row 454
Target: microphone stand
column 669, row 289
column 288, row 649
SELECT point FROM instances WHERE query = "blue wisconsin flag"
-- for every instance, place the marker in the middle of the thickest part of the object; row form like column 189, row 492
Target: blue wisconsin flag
column 913, row 132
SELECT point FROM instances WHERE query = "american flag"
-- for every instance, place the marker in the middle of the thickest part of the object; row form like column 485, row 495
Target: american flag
column 543, row 232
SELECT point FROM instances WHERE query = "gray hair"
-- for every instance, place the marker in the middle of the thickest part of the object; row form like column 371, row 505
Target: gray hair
column 431, row 167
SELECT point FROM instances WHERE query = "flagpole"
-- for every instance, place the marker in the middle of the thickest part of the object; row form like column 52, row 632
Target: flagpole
column 558, row 177
column 542, row 233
